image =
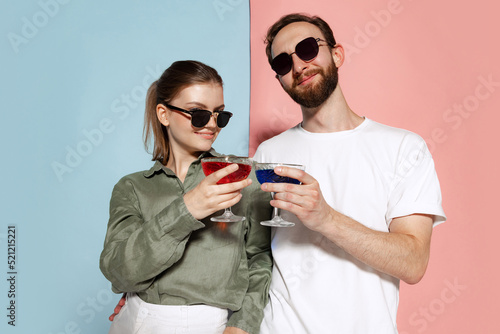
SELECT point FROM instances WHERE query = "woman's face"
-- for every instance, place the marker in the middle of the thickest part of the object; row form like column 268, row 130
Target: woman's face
column 184, row 138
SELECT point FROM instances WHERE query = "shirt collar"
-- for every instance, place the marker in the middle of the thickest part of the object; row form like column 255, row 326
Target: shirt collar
column 158, row 167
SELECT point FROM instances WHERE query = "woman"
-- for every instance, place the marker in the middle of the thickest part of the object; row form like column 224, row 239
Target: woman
column 183, row 273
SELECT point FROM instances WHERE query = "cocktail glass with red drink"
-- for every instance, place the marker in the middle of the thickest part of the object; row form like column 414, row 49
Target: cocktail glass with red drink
column 213, row 164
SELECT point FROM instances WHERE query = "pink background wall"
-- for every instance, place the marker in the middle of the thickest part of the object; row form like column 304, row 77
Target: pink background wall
column 432, row 68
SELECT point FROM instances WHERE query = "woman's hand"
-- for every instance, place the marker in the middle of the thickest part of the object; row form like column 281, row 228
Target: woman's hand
column 209, row 197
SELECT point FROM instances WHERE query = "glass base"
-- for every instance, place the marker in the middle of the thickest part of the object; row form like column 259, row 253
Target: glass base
column 227, row 218
column 277, row 222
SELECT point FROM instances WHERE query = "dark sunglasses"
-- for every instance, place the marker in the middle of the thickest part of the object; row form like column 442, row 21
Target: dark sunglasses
column 306, row 50
column 200, row 117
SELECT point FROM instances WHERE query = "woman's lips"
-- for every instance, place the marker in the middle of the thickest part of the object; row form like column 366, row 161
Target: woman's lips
column 205, row 135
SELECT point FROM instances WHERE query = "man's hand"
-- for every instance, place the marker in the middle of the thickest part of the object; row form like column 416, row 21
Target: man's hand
column 305, row 200
column 118, row 307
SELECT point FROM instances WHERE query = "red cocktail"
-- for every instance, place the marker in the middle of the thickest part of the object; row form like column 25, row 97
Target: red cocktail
column 213, row 164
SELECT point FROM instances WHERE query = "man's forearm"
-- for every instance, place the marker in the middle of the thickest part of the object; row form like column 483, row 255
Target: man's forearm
column 403, row 252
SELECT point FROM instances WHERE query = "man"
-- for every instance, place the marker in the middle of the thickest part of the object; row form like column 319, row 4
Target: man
column 366, row 206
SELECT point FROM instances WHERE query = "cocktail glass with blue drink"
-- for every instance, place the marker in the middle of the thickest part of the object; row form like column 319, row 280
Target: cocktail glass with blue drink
column 265, row 174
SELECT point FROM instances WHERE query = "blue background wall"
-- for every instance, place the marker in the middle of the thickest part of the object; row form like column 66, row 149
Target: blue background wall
column 73, row 80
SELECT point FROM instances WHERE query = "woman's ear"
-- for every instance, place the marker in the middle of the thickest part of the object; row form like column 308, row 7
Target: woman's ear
column 161, row 113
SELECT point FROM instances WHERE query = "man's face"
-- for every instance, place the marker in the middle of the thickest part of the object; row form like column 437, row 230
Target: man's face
column 308, row 83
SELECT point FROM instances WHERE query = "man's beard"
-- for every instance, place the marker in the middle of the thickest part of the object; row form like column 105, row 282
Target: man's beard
column 314, row 96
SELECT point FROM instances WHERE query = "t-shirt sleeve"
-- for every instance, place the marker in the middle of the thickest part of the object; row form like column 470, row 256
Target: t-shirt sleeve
column 258, row 154
column 415, row 187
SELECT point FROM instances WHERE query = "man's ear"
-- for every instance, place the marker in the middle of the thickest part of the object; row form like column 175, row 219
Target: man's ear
column 338, row 55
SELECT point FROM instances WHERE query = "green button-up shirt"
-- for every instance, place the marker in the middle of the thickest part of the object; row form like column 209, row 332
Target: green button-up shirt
column 157, row 249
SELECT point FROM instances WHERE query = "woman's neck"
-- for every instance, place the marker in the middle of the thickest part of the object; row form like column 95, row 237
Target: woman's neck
column 179, row 164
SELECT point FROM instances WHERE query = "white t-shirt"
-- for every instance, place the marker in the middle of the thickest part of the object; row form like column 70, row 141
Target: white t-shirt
column 372, row 174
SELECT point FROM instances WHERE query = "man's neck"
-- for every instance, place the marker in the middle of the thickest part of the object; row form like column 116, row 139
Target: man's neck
column 332, row 116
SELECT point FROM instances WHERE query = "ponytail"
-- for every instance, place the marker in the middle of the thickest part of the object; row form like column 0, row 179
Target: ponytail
column 153, row 129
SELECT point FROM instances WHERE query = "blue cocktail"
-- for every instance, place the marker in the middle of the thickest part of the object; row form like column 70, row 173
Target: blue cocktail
column 269, row 176
column 265, row 174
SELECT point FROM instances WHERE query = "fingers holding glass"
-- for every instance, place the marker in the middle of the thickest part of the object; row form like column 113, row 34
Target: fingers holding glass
column 266, row 173
column 213, row 164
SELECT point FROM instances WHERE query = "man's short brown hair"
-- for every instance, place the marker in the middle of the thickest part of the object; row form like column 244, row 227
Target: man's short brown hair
column 297, row 17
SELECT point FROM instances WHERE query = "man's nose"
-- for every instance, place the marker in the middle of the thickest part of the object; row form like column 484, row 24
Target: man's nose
column 298, row 65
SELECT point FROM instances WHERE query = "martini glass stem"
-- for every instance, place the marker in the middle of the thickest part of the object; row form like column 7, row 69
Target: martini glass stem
column 276, row 211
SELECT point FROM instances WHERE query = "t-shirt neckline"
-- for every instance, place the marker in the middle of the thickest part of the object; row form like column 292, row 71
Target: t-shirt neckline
column 336, row 134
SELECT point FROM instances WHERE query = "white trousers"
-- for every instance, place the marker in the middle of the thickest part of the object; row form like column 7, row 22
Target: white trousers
column 139, row 317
